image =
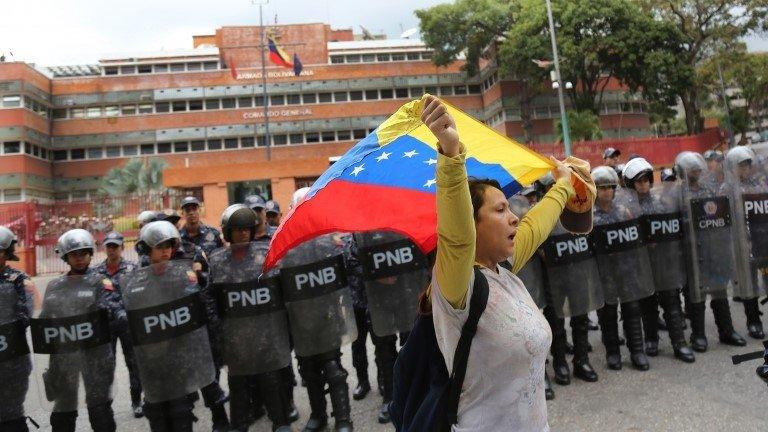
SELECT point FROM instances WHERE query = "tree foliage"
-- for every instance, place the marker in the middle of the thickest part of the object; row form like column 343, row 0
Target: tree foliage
column 137, row 176
column 583, row 125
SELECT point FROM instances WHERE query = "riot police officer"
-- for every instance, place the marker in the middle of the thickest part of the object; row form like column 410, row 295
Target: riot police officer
column 204, row 236
column 89, row 298
column 15, row 312
column 254, row 328
column 274, row 215
column 663, row 236
column 115, row 267
column 174, row 361
column 709, row 251
column 259, row 205
column 624, row 267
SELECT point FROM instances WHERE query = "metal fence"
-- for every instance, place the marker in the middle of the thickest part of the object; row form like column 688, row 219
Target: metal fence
column 38, row 226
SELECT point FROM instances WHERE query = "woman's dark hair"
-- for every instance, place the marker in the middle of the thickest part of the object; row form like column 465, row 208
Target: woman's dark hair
column 477, row 189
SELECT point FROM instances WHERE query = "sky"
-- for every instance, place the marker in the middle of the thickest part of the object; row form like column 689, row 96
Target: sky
column 52, row 32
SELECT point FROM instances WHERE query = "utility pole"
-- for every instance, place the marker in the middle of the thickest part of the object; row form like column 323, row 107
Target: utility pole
column 728, row 124
column 263, row 41
column 563, row 114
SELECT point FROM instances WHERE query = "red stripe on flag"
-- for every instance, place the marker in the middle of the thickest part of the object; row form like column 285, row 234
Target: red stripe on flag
column 278, row 60
column 348, row 206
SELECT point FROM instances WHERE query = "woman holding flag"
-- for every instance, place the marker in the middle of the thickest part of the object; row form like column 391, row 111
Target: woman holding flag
column 504, row 385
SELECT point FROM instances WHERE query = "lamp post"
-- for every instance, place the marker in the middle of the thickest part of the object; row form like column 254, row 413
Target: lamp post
column 263, row 41
column 559, row 82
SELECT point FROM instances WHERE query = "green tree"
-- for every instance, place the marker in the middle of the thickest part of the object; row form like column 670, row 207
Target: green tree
column 584, row 126
column 706, row 25
column 137, row 176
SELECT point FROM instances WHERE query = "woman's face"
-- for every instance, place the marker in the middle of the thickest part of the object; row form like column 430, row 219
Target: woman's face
column 241, row 235
column 605, row 194
column 496, row 227
column 643, row 185
column 162, row 252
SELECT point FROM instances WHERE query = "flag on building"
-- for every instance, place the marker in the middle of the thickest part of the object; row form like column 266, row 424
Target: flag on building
column 297, row 66
column 280, row 58
column 232, row 68
column 387, row 181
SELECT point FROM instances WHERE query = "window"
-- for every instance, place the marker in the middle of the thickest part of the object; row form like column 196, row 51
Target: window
column 145, row 69
column 162, row 107
column 401, row 93
column 196, row 105
column 111, row 111
column 147, row 149
column 460, row 90
column 211, row 104
column 161, row 68
column 474, row 89
column 179, row 106
column 426, row 55
column 343, row 135
column 29, row 148
column 11, row 101
column 277, row 100
column 177, row 67
column 293, row 99
column 79, row 195
column 59, row 155
column 296, row 138
column 145, row 108
column 371, row 94
column 211, row 65
column 78, row 112
column 324, row 97
column 382, row 57
column 386, row 93
column 113, row 152
column 353, row 58
column 313, row 137
column 258, row 101
column 369, row 58
column 198, row 145
column 194, row 66
column 356, row 95
column 12, row 194
column 398, row 57
column 60, row 113
column 245, row 102
column 309, row 98
column 246, row 142
column 329, row 136
column 340, row 96
column 359, row 133
column 127, row 70
column 92, row 112
column 214, row 144
column 279, row 140
column 230, row 143
column 446, row 90
column 110, row 70
column 44, row 153
column 413, row 56
column 162, row 147
column 227, row 103
column 128, row 110
column 337, row 59
column 260, row 141
column 130, row 150
column 417, row 92
column 11, row 147
column 77, row 154
column 95, row 153
column 431, row 90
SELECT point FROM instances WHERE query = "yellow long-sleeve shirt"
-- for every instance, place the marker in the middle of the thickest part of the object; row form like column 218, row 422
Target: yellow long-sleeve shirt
column 456, row 227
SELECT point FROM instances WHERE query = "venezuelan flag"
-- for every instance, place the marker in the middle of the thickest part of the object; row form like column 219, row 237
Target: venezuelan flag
column 387, row 181
column 278, row 56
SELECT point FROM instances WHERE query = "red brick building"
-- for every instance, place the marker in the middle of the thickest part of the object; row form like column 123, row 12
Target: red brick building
column 63, row 128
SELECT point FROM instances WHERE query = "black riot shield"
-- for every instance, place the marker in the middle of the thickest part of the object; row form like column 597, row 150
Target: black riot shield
column 394, row 272
column 167, row 318
column 254, row 323
column 747, row 187
column 317, row 295
column 74, row 362
column 662, row 230
column 572, row 274
column 532, row 273
column 622, row 258
column 15, row 362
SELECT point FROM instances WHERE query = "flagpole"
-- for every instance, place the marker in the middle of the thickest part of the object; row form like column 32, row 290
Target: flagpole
column 563, row 113
column 267, row 139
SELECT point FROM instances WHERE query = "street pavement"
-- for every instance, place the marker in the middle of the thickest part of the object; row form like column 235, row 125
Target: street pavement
column 709, row 395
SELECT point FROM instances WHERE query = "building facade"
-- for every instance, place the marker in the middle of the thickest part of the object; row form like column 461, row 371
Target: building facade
column 201, row 110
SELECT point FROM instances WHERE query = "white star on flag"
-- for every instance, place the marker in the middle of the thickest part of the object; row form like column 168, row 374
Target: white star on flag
column 429, row 183
column 410, row 154
column 357, row 170
column 430, row 161
column 383, row 156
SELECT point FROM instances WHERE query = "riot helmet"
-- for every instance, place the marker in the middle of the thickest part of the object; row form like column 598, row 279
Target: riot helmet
column 145, row 217
column 689, row 165
column 299, row 196
column 668, row 175
column 238, row 216
column 73, row 240
column 155, row 233
column 605, row 176
column 8, row 243
column 635, row 170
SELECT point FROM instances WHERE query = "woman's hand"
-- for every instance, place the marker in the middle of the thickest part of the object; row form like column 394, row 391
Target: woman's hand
column 560, row 170
column 437, row 119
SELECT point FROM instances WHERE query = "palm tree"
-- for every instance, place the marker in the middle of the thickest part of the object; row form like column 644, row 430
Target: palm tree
column 137, row 176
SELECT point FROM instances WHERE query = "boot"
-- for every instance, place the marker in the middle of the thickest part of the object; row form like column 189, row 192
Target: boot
column 339, row 392
column 580, row 332
column 384, row 413
column 318, row 418
column 696, row 313
column 102, row 418
column 155, row 414
column 673, row 316
column 608, row 318
column 559, row 342
column 363, row 386
column 754, row 323
column 386, row 353
column 219, row 418
column 63, row 421
column 631, row 315
column 15, row 425
column 650, row 310
column 725, row 330
column 549, row 393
